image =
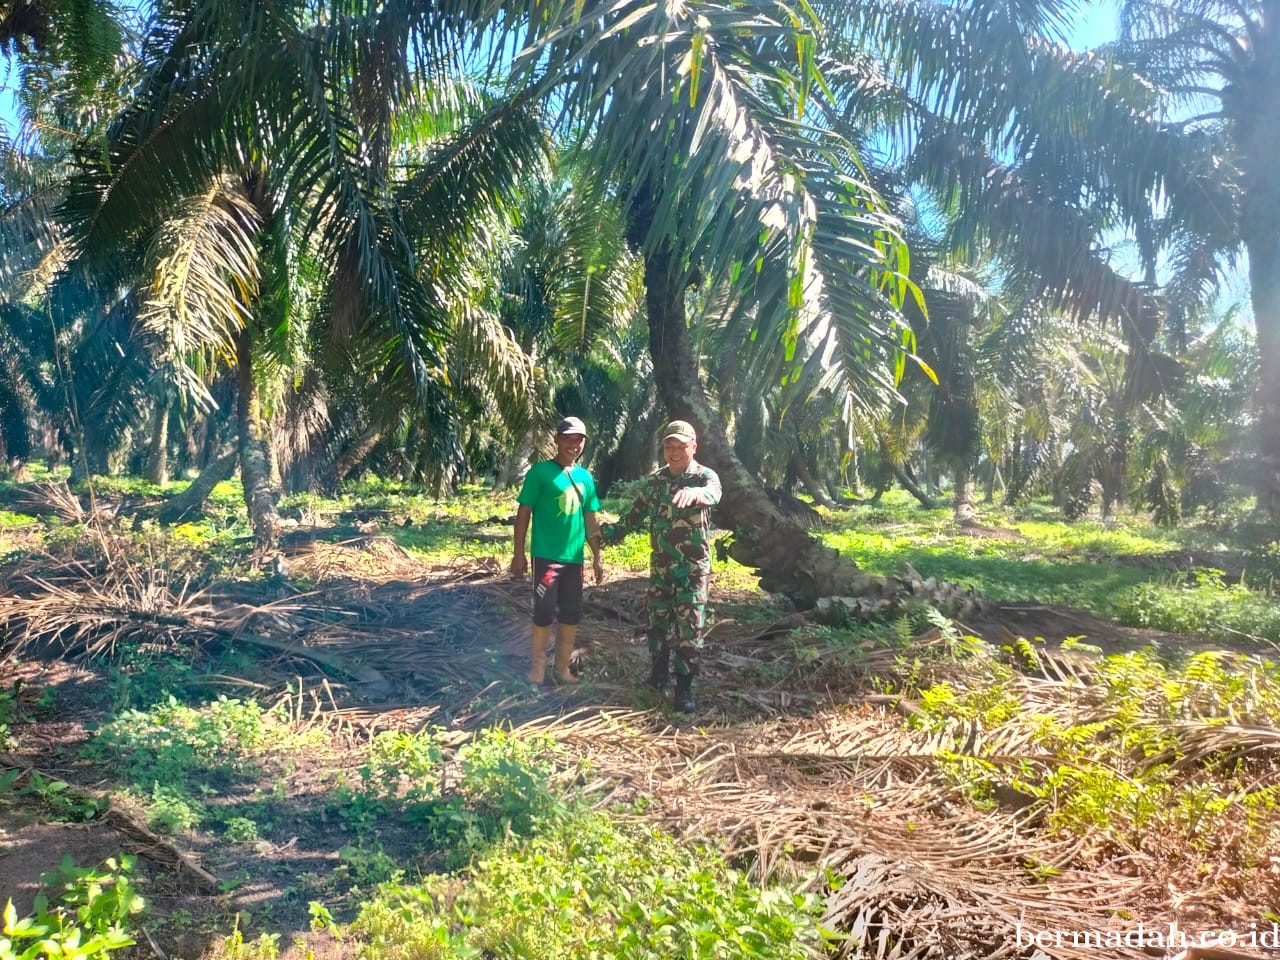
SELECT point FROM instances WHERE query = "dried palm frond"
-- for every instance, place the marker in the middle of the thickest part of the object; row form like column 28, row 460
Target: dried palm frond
column 856, row 800
column 1201, row 740
column 57, row 499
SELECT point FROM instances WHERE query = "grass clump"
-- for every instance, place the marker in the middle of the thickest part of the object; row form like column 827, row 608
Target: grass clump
column 1203, row 605
column 590, row 886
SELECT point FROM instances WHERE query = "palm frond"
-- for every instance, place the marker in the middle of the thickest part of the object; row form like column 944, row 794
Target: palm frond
column 202, row 278
column 489, row 364
column 740, row 189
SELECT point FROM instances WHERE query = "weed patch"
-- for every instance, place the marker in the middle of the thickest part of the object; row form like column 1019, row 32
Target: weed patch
column 167, row 752
column 88, row 914
column 1143, row 756
column 590, row 886
column 1203, row 605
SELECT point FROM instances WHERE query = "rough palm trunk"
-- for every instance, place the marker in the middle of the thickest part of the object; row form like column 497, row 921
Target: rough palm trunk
column 806, row 477
column 191, row 500
column 158, row 452
column 354, row 454
column 787, row 560
column 903, row 477
column 962, row 504
column 255, row 472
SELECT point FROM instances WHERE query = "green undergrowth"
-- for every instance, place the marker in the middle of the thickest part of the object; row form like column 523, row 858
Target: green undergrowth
column 1044, row 560
column 458, row 801
column 479, row 847
column 588, row 885
column 81, row 913
column 537, row 873
column 1204, row 605
column 173, row 759
column 1130, row 752
column 21, row 703
column 510, row 860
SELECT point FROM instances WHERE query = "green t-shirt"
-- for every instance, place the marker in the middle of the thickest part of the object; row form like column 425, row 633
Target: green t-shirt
column 558, row 496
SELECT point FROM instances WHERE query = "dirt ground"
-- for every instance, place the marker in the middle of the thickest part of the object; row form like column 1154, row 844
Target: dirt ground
column 449, row 647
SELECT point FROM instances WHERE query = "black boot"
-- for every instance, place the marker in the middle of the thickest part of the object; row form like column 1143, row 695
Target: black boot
column 660, row 672
column 683, row 699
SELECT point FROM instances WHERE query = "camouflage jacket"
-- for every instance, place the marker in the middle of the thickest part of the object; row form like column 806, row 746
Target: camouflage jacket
column 676, row 534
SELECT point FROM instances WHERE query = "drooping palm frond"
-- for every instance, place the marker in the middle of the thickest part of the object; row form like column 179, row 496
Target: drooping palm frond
column 490, row 367
column 1193, row 48
column 27, row 386
column 598, row 279
column 202, row 276
column 697, row 129
column 991, row 114
column 301, row 424
column 114, row 378
column 78, row 37
column 29, row 233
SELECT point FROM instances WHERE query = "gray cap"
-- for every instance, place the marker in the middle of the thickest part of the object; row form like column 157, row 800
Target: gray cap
column 570, row 425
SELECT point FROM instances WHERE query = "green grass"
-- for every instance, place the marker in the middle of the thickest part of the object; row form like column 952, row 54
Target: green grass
column 1055, row 562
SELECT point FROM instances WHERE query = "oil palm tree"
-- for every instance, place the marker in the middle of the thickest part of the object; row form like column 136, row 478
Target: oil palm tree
column 1168, row 136
column 698, row 110
column 1215, row 65
column 263, row 138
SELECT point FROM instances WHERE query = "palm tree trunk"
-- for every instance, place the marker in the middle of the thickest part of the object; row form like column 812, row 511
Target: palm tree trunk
column 192, row 499
column 962, row 504
column 908, row 484
column 354, row 454
column 1264, row 283
column 158, row 452
column 255, row 472
column 806, row 477
column 993, row 478
column 633, row 456
column 786, row 558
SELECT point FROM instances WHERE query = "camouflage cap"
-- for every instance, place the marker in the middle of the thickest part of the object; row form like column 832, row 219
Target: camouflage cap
column 681, row 430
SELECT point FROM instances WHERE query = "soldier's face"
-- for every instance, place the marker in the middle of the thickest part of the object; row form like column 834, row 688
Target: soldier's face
column 678, row 453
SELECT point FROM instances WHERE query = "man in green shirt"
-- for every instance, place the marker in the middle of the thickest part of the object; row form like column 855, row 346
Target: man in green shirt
column 560, row 498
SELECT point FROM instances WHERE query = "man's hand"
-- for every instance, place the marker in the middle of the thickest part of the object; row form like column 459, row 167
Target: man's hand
column 597, row 567
column 685, row 497
column 519, row 564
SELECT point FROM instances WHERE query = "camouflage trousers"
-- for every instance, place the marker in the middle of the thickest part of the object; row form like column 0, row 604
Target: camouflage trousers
column 677, row 597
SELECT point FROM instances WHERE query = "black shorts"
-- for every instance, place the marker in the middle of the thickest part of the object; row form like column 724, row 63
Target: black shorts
column 557, row 592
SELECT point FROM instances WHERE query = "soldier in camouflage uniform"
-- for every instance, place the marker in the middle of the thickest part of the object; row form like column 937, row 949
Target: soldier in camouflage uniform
column 674, row 505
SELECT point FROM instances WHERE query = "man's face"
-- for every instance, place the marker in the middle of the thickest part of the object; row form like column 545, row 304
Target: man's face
column 678, row 453
column 569, row 446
